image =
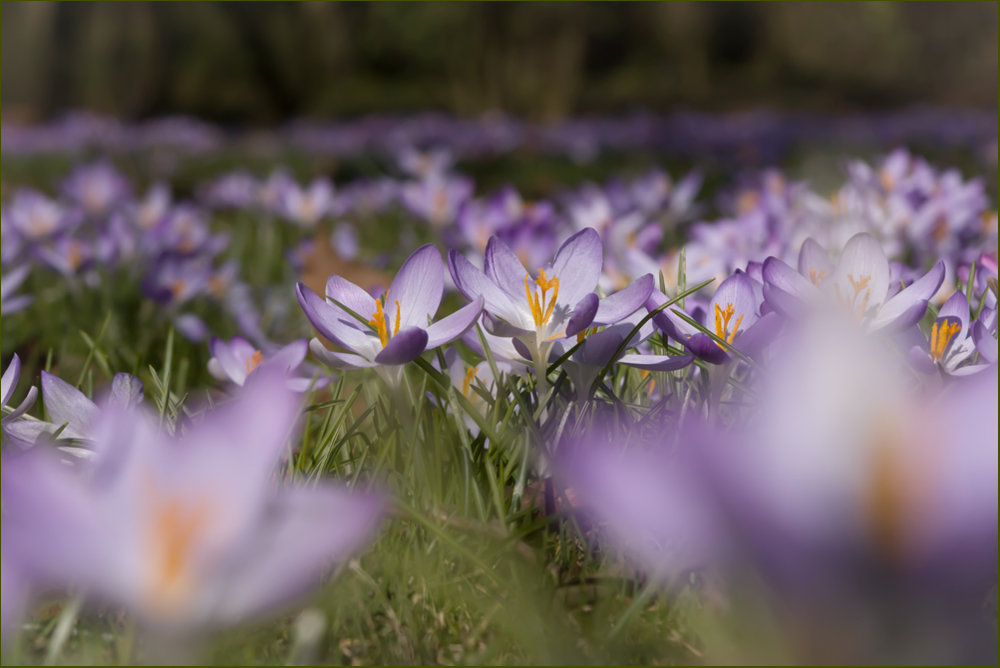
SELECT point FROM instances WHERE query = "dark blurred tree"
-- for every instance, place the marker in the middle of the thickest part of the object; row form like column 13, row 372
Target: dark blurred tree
column 265, row 61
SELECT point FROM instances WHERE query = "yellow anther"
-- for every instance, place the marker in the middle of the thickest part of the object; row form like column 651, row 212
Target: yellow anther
column 817, row 277
column 542, row 307
column 644, row 374
column 860, row 284
column 177, row 288
column 399, row 313
column 254, row 361
column 470, row 375
column 581, row 336
column 941, row 337
column 722, row 319
column 378, row 322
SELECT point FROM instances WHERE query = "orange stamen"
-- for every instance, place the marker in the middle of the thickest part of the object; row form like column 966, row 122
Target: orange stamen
column 378, row 322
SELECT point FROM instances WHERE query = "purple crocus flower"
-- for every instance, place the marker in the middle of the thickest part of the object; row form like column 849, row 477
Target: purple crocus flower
column 186, row 532
column 9, row 383
column 98, row 188
column 271, row 192
column 151, row 209
column 37, row 218
column 71, row 410
column 400, row 330
column 9, row 284
column 437, row 198
column 237, row 190
column 734, row 316
column 238, row 362
column 984, row 334
column 858, row 285
column 305, row 207
column 559, row 303
column 950, row 344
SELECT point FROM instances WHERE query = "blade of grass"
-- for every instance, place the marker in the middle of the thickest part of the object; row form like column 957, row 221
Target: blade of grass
column 90, row 355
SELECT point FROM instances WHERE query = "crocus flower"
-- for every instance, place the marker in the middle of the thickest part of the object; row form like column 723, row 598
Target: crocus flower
column 9, row 284
column 71, row 410
column 559, row 303
column 436, row 198
column 400, row 327
column 97, row 187
column 950, row 344
column 307, row 206
column 858, row 285
column 984, row 333
column 36, row 218
column 9, row 384
column 152, row 208
column 238, row 362
column 733, row 315
column 186, row 532
column 237, row 190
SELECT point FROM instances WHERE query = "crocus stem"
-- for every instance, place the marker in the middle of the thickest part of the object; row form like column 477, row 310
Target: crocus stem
column 60, row 636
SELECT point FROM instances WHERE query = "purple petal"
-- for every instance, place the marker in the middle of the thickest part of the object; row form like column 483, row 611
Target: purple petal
column 454, row 326
column 787, row 291
column 126, row 391
column 404, row 347
column 760, row 335
column 921, row 361
column 735, row 291
column 863, row 259
column 599, row 348
column 622, row 304
column 666, row 320
column 909, row 307
column 343, row 361
column 813, row 261
column 192, row 327
column 303, row 533
column 583, row 315
column 29, row 401
column 232, row 368
column 986, row 344
column 504, row 329
column 473, row 283
column 68, row 405
column 291, row 356
column 331, row 321
column 417, row 289
column 503, row 268
column 658, row 362
column 9, row 381
column 578, row 266
column 704, row 348
column 957, row 308
column 350, row 296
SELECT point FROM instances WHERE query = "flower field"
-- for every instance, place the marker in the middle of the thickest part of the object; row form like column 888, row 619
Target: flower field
column 413, row 390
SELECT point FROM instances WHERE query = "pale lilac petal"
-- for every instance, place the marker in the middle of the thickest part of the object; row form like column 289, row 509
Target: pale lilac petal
column 404, row 347
column 331, row 321
column 192, row 327
column 583, row 315
column 503, row 268
column 217, row 372
column 342, row 361
column 735, row 291
column 303, row 533
column 909, row 307
column 232, row 368
column 599, row 349
column 68, row 405
column 303, row 385
column 666, row 320
column 957, row 308
column 986, row 343
column 622, row 304
column 417, row 289
column 473, row 283
column 760, row 335
column 26, row 433
column 29, row 401
column 504, row 329
column 9, row 381
column 126, row 391
column 813, row 261
column 351, row 296
column 578, row 266
column 921, row 361
column 863, row 261
column 291, row 356
column 658, row 362
column 786, row 290
column 13, row 591
column 454, row 326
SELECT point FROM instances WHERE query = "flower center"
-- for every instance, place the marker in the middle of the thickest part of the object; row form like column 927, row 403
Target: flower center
column 74, row 255
column 542, row 306
column 378, row 321
column 176, row 527
column 722, row 319
column 470, row 376
column 817, row 277
column 178, row 288
column 254, row 361
column 941, row 337
column 857, row 286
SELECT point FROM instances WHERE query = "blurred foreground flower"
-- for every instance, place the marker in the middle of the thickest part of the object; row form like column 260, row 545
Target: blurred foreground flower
column 238, row 362
column 401, row 328
column 186, row 532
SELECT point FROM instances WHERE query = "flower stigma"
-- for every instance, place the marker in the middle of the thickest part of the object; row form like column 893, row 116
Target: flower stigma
column 541, row 307
column 722, row 320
